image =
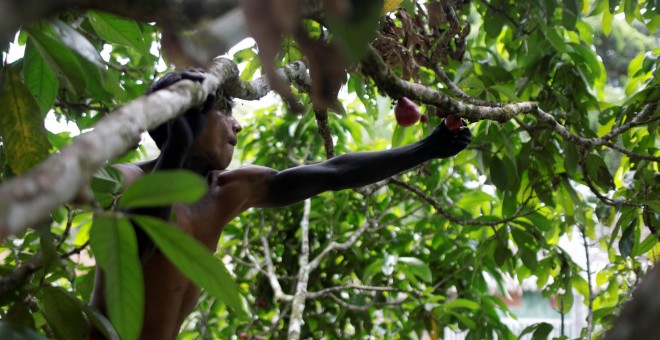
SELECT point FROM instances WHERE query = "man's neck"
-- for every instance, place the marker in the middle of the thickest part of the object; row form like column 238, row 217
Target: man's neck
column 197, row 165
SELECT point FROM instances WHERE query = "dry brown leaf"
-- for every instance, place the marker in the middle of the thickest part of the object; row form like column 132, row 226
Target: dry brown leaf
column 436, row 14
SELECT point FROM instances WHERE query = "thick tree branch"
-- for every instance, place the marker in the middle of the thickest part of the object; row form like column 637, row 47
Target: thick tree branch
column 395, row 87
column 63, row 176
column 374, row 66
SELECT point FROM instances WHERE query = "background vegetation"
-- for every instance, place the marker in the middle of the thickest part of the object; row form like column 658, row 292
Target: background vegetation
column 573, row 155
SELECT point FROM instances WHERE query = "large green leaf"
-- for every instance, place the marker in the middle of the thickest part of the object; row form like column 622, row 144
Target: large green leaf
column 598, row 171
column 118, row 30
column 60, row 59
column 77, row 42
column 193, row 260
column 21, row 125
column 115, row 248
column 39, row 78
column 164, row 188
column 64, row 316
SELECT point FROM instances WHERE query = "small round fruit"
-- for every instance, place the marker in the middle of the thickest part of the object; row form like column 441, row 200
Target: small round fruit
column 406, row 112
column 424, row 118
column 453, row 123
column 439, row 113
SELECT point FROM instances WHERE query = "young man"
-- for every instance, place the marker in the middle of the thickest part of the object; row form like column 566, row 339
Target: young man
column 203, row 141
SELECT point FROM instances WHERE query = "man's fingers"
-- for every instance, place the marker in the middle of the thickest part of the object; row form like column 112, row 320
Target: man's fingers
column 193, row 75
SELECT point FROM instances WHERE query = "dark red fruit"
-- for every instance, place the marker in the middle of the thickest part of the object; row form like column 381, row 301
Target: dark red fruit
column 406, row 112
column 453, row 123
column 439, row 113
column 244, row 336
column 424, row 118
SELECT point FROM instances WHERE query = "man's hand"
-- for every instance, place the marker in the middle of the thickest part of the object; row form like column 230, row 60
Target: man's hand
column 448, row 143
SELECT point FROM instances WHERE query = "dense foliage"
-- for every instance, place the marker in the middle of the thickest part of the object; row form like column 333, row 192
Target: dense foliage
column 416, row 253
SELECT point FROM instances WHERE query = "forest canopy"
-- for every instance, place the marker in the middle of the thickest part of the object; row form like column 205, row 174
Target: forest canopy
column 561, row 98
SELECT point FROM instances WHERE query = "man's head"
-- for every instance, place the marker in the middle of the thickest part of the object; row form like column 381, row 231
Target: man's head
column 215, row 144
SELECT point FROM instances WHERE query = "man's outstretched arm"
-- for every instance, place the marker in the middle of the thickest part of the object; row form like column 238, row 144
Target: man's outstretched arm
column 361, row 168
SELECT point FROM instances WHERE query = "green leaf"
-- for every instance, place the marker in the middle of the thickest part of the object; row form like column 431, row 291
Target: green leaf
column 627, row 241
column 570, row 13
column 398, row 136
column 372, row 269
column 654, row 205
column 629, row 8
column 77, row 42
column 636, row 64
column 164, row 188
column 556, row 41
column 115, row 248
column 607, row 22
column 418, row 268
column 465, row 320
column 11, row 332
column 39, row 78
column 19, row 315
column 99, row 321
column 541, row 331
column 107, row 179
column 570, row 158
column 502, row 254
column 60, row 59
column 63, row 315
column 193, row 260
column 613, row 5
column 24, row 136
column 598, row 172
column 498, row 173
column 118, row 30
column 645, row 246
column 462, row 303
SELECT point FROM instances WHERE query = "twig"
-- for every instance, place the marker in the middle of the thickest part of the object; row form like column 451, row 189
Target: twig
column 582, row 161
column 590, row 315
column 324, row 131
column 326, row 291
column 69, row 222
column 449, row 216
column 298, row 303
column 272, row 277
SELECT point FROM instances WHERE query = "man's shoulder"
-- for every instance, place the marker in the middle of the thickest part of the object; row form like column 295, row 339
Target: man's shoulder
column 245, row 172
column 130, row 171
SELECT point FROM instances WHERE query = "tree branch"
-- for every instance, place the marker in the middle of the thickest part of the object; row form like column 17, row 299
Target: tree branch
column 298, row 304
column 395, row 87
column 26, row 200
column 449, row 216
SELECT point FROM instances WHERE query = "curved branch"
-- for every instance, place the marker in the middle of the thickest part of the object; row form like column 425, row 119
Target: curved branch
column 395, row 87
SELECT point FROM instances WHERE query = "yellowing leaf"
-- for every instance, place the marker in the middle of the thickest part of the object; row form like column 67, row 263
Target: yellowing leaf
column 21, row 125
column 390, row 5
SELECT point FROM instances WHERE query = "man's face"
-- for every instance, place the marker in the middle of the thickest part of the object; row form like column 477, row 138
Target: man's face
column 216, row 142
